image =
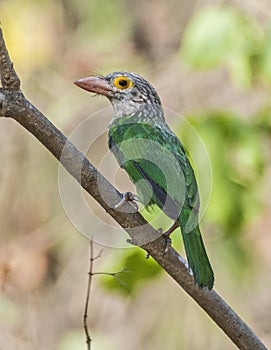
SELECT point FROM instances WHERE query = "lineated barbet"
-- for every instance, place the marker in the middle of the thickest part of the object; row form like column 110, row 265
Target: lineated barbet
column 154, row 159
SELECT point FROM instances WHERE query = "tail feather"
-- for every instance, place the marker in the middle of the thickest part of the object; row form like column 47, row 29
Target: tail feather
column 197, row 257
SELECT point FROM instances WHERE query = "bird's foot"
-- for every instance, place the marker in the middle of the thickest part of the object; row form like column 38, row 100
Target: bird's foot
column 127, row 197
column 166, row 235
column 168, row 243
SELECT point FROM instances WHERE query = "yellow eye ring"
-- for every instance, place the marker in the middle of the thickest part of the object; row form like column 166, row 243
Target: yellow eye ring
column 123, row 82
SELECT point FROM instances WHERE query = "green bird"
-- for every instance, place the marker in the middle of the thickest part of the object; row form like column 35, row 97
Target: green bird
column 154, row 159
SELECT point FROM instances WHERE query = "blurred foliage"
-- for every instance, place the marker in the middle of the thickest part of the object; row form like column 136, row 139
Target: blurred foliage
column 224, row 35
column 136, row 271
column 236, row 150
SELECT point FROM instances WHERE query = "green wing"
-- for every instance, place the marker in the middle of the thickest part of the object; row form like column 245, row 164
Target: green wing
column 156, row 162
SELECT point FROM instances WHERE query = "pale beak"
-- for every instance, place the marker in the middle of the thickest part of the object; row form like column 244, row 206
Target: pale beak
column 97, row 84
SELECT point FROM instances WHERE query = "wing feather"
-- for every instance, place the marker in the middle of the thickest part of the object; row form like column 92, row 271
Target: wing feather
column 156, row 155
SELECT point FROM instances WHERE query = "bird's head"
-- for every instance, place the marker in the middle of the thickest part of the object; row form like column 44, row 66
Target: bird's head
column 128, row 92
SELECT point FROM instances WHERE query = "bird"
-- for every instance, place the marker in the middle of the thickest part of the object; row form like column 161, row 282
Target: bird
column 155, row 160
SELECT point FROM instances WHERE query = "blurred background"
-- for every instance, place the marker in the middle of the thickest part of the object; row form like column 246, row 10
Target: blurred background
column 211, row 62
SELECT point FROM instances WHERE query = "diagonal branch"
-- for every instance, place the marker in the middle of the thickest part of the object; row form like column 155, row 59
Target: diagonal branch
column 14, row 105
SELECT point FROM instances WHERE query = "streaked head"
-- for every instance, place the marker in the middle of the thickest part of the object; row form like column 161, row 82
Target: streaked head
column 128, row 92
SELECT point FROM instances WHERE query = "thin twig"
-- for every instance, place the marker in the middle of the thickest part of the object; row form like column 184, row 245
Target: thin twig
column 90, row 275
column 85, row 316
column 98, row 255
column 113, row 274
column 14, row 105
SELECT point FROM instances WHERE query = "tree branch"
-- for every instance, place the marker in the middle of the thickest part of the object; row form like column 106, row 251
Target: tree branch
column 14, row 105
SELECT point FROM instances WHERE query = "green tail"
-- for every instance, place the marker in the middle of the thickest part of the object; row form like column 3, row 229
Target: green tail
column 197, row 257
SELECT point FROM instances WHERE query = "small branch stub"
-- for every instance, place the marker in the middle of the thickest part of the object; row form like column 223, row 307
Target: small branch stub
column 9, row 78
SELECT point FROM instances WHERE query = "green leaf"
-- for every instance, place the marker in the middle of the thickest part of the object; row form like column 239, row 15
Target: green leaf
column 210, row 36
column 222, row 35
column 240, row 69
column 236, row 152
column 138, row 270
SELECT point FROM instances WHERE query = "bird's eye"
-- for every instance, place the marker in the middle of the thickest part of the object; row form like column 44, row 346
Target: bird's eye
column 123, row 83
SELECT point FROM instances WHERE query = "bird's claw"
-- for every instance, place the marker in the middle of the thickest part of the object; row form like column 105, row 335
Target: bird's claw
column 127, row 197
column 167, row 238
column 168, row 242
